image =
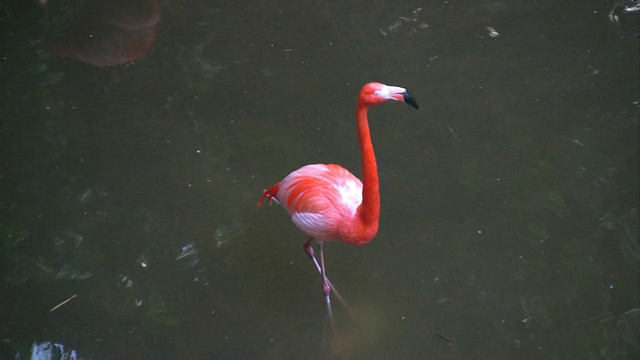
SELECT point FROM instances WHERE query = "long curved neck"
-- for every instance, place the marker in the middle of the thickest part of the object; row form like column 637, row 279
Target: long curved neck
column 369, row 210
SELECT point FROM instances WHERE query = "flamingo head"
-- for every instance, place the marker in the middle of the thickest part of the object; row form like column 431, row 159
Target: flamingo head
column 375, row 93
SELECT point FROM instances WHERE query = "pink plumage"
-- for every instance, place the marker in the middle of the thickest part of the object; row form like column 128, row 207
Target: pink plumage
column 322, row 200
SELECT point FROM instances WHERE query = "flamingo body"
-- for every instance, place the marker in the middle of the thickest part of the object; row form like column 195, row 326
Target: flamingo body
column 323, row 201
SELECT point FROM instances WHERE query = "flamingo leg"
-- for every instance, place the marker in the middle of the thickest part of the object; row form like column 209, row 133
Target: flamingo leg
column 327, row 286
column 323, row 272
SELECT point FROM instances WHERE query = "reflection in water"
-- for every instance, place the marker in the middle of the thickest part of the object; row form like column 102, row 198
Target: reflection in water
column 107, row 33
column 361, row 329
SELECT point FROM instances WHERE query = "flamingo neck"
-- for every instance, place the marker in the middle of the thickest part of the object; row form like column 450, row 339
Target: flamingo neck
column 369, row 210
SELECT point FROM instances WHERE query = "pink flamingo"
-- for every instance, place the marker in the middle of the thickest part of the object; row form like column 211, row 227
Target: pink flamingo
column 329, row 203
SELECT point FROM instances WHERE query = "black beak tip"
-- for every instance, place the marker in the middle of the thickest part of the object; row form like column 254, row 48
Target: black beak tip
column 409, row 99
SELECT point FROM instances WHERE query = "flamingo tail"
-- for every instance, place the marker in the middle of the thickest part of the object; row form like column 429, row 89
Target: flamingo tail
column 269, row 194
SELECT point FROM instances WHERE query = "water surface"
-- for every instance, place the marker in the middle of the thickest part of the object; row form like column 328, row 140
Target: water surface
column 509, row 225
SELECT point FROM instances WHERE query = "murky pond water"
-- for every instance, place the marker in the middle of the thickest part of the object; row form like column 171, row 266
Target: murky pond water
column 137, row 137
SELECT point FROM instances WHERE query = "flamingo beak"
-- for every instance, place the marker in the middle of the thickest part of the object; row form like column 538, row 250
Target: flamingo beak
column 399, row 94
column 409, row 99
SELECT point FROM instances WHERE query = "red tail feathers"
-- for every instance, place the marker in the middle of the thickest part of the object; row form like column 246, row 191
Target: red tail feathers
column 270, row 194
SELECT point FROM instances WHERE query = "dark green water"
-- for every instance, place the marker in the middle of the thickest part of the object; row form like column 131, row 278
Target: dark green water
column 509, row 226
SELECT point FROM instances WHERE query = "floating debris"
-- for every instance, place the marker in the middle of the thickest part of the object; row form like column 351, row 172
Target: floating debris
column 444, row 338
column 623, row 7
column 143, row 261
column 189, row 251
column 51, row 351
column 68, row 272
column 492, row 32
column 126, row 281
column 409, row 22
column 62, row 303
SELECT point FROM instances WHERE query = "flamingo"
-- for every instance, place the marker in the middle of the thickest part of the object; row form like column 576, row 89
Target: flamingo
column 329, row 203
